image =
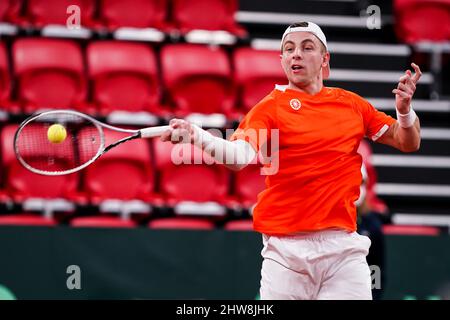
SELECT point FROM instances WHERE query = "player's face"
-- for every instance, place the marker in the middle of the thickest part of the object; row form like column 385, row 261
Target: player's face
column 302, row 58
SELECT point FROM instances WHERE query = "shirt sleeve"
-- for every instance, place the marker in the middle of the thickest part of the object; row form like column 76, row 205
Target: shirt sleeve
column 255, row 127
column 376, row 123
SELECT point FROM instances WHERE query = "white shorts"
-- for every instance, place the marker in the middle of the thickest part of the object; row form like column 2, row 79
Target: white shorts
column 324, row 265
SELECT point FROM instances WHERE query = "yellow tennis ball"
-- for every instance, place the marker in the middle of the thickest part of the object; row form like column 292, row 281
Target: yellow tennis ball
column 56, row 133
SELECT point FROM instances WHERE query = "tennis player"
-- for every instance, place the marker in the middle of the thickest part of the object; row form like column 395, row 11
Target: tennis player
column 307, row 214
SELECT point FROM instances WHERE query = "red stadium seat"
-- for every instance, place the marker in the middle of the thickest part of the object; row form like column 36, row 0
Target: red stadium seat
column 124, row 173
column 248, row 184
column 198, row 79
column 26, row 220
column 124, row 76
column 133, row 13
column 418, row 20
column 9, row 10
column 50, row 74
column 5, row 81
column 21, row 184
column 239, row 225
column 256, row 73
column 206, row 15
column 181, row 223
column 44, row 12
column 101, row 222
column 199, row 183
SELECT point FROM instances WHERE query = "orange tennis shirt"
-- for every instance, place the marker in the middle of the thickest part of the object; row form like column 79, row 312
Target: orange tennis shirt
column 319, row 169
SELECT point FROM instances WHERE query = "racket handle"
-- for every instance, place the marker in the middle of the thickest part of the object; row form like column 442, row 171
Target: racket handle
column 153, row 131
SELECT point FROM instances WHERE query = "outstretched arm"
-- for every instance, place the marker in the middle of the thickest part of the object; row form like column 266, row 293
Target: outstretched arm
column 405, row 133
column 235, row 155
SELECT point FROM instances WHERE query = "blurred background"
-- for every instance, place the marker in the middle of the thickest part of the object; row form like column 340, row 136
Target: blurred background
column 135, row 226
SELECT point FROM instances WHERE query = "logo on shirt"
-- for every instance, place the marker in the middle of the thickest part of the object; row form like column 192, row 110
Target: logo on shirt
column 295, row 104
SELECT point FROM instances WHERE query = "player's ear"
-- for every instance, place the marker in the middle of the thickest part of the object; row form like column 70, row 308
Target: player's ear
column 325, row 59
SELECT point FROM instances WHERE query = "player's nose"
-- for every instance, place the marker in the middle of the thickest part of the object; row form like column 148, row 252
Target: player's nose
column 297, row 53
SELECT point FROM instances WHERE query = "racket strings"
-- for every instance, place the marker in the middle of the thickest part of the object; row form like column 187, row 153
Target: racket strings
column 81, row 144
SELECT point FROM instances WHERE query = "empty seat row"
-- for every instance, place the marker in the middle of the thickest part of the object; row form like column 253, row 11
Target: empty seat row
column 148, row 171
column 136, row 170
column 191, row 223
column 195, row 223
column 182, row 15
column 140, row 172
column 126, row 76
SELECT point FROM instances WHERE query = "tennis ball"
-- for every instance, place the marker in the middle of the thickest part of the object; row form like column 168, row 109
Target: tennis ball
column 56, row 133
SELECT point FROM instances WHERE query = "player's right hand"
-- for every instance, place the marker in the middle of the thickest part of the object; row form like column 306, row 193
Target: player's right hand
column 180, row 131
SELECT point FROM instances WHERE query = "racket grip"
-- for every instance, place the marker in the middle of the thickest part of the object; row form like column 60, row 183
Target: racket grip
column 153, row 131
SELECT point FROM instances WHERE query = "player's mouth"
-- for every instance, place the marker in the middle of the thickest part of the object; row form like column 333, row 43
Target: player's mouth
column 296, row 68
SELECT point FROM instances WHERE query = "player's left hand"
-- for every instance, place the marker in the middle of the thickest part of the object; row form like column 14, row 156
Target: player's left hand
column 406, row 88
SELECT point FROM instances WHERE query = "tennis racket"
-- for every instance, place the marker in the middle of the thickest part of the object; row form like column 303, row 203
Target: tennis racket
column 82, row 143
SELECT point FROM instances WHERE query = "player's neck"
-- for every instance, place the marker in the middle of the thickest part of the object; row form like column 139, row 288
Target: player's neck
column 310, row 88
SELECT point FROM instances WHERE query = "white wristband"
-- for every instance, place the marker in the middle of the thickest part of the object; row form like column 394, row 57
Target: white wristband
column 406, row 120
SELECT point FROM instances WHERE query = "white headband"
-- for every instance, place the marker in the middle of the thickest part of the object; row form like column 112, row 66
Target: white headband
column 312, row 27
